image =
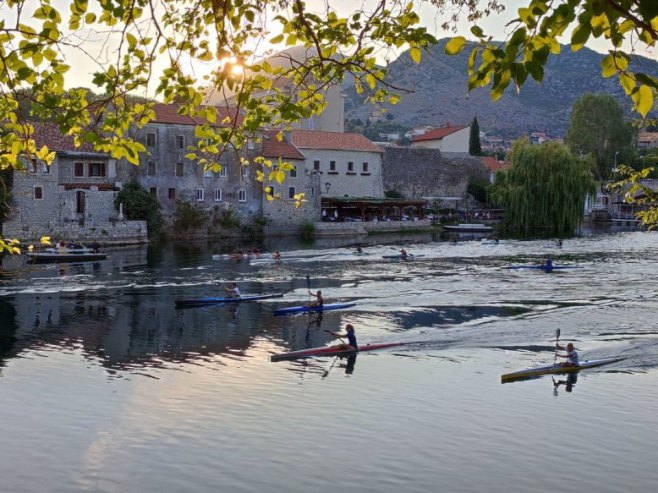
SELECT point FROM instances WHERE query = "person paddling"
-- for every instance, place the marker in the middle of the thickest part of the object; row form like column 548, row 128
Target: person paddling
column 571, row 355
column 276, row 257
column 549, row 264
column 233, row 289
column 319, row 302
column 350, row 335
column 403, row 254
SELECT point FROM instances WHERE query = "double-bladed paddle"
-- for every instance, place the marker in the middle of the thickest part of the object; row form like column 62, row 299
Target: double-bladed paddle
column 557, row 337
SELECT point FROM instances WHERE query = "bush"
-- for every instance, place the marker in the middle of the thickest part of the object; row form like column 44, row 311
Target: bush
column 393, row 194
column 139, row 205
column 188, row 216
column 307, row 230
column 226, row 219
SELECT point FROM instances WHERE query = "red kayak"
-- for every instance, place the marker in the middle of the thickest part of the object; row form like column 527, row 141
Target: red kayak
column 331, row 351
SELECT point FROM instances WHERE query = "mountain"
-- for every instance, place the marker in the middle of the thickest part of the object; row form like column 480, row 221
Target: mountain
column 439, row 85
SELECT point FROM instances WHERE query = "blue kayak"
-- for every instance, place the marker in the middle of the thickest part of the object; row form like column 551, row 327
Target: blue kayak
column 305, row 309
column 208, row 300
column 544, row 267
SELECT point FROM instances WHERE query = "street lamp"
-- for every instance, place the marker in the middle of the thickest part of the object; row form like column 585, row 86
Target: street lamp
column 327, row 186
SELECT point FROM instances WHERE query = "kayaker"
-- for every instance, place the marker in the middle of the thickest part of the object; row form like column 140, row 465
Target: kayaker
column 319, row 302
column 403, row 254
column 359, row 249
column 233, row 289
column 350, row 335
column 277, row 256
column 571, row 355
column 549, row 264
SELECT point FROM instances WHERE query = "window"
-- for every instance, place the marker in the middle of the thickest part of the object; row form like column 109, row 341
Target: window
column 153, row 191
column 293, row 172
column 223, row 171
column 38, row 193
column 312, row 191
column 207, row 173
column 244, row 172
column 180, row 141
column 332, row 165
column 242, row 195
column 150, row 139
column 78, row 169
column 217, row 194
column 45, row 169
column 150, row 168
column 200, row 194
column 34, row 166
column 291, row 192
column 316, row 165
column 96, row 169
column 365, row 167
column 172, row 194
column 350, row 166
column 180, row 169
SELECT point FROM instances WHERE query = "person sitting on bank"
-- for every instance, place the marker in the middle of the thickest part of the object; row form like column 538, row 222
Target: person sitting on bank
column 319, row 302
column 350, row 335
column 233, row 289
column 571, row 355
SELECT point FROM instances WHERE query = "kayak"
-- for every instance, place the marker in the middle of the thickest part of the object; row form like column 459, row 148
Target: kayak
column 265, row 261
column 304, row 309
column 409, row 256
column 555, row 369
column 236, row 256
column 543, row 267
column 208, row 300
column 330, row 351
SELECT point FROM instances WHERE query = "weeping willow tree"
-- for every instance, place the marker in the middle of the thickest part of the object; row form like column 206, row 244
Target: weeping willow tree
column 545, row 189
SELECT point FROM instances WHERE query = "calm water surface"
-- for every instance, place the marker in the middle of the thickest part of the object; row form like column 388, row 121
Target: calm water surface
column 106, row 387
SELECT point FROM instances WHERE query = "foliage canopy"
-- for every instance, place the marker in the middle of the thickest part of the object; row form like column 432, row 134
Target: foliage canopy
column 545, row 189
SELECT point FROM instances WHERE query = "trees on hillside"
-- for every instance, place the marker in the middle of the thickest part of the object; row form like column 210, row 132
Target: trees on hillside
column 474, row 145
column 597, row 128
column 545, row 189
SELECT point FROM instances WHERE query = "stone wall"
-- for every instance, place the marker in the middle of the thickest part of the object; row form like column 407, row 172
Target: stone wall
column 417, row 173
column 281, row 215
column 363, row 228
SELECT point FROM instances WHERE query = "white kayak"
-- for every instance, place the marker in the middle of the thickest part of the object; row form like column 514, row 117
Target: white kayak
column 555, row 369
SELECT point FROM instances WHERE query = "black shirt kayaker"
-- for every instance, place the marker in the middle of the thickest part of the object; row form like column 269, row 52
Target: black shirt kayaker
column 351, row 337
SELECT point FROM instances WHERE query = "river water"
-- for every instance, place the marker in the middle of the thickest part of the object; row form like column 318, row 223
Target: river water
column 106, row 387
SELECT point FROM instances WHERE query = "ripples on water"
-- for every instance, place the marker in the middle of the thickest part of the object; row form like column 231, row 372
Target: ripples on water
column 107, row 387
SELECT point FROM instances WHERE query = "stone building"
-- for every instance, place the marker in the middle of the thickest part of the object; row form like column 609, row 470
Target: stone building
column 348, row 164
column 427, row 173
column 72, row 199
column 448, row 139
column 281, row 216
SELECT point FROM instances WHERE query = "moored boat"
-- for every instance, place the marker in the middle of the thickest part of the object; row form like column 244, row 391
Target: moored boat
column 336, row 350
column 51, row 256
column 306, row 309
column 209, row 300
column 468, row 228
column 557, row 369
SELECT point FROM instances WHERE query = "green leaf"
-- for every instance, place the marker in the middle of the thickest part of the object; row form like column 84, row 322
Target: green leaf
column 580, row 36
column 415, row 54
column 455, row 45
column 608, row 67
column 644, row 100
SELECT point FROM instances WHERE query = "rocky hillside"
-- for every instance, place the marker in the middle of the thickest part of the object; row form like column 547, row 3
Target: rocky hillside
column 439, row 96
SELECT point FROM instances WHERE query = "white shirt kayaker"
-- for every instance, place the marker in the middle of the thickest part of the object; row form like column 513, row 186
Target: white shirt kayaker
column 234, row 290
column 571, row 355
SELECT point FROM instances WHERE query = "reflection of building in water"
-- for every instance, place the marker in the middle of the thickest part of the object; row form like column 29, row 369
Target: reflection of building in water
column 138, row 330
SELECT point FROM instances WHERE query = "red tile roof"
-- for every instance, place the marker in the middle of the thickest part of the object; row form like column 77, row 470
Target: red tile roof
column 48, row 134
column 168, row 113
column 274, row 148
column 311, row 139
column 438, row 133
column 494, row 165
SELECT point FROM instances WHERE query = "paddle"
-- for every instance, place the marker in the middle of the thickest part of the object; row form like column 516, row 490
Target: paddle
column 557, row 337
column 337, row 337
column 308, row 287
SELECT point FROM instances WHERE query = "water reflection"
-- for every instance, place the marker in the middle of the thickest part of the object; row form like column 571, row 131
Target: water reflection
column 569, row 382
